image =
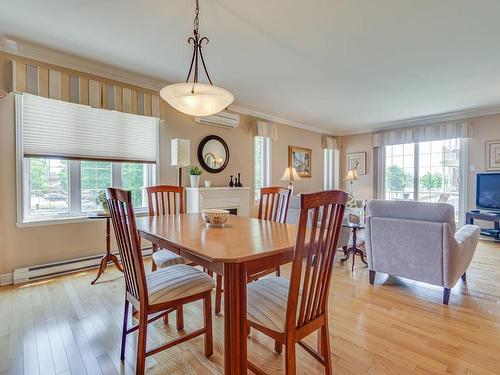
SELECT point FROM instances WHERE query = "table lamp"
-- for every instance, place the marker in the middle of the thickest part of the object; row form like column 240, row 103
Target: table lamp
column 180, row 151
column 352, row 175
column 290, row 175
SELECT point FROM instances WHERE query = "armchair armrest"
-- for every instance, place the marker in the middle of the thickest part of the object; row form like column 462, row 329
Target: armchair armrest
column 467, row 236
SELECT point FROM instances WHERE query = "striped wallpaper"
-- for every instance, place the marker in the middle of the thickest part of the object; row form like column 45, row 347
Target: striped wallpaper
column 81, row 89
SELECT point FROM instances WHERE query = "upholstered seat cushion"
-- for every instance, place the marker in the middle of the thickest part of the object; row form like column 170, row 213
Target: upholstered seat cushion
column 266, row 302
column 164, row 258
column 175, row 282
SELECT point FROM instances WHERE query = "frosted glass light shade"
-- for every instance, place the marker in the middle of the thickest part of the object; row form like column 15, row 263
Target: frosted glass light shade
column 206, row 99
column 180, row 152
column 290, row 175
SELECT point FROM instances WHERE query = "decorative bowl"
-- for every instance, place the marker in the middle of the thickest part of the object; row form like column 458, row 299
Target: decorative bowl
column 215, row 216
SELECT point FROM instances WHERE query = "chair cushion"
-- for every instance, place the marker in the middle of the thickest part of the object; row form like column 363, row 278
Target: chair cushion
column 176, row 282
column 164, row 258
column 266, row 302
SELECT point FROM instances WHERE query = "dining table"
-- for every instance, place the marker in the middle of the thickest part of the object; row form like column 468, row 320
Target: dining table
column 240, row 247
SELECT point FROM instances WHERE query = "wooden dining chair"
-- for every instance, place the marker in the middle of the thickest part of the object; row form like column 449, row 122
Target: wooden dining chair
column 273, row 206
column 289, row 310
column 165, row 200
column 157, row 293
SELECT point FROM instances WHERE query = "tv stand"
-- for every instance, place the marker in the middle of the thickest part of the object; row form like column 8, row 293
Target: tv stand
column 485, row 216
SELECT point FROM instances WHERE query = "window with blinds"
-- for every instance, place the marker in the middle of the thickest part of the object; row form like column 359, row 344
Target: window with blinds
column 67, row 154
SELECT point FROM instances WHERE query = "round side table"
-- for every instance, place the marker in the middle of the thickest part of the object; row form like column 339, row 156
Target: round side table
column 354, row 249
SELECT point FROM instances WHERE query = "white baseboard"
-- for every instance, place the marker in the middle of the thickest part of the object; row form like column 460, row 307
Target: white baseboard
column 6, row 279
column 44, row 271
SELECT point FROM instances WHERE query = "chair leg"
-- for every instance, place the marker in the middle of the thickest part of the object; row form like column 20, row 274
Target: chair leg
column 124, row 330
column 207, row 314
column 278, row 271
column 153, row 264
column 278, row 346
column 165, row 319
column 290, row 366
column 372, row 276
column 141, row 344
column 325, row 336
column 446, row 295
column 218, row 293
column 180, row 317
column 464, row 277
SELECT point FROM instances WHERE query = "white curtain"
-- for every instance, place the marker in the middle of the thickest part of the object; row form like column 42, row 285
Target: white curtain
column 265, row 129
column 424, row 133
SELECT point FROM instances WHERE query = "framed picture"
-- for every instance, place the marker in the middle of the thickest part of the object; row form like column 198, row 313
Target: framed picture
column 300, row 158
column 357, row 162
column 493, row 156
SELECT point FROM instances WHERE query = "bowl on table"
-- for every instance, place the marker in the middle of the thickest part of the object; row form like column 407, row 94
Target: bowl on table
column 214, row 216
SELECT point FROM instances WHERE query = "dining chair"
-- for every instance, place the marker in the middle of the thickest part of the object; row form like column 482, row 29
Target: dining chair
column 289, row 310
column 165, row 200
column 273, row 206
column 159, row 292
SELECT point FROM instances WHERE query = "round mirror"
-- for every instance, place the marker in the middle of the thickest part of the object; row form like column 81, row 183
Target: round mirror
column 213, row 154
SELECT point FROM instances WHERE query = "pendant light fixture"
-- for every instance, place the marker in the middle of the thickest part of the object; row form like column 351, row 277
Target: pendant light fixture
column 194, row 98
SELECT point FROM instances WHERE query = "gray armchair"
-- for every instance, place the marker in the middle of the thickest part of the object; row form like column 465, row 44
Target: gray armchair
column 417, row 241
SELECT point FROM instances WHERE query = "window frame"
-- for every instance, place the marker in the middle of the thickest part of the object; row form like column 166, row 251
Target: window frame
column 74, row 214
column 265, row 164
column 463, row 176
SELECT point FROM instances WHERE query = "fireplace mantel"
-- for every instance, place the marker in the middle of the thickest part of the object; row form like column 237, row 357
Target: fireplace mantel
column 201, row 198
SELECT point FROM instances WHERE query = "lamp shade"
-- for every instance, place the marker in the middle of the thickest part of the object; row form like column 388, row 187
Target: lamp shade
column 290, row 175
column 352, row 175
column 180, row 150
column 197, row 99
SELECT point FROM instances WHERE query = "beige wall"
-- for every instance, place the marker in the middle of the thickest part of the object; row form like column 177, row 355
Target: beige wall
column 20, row 247
column 363, row 188
column 483, row 129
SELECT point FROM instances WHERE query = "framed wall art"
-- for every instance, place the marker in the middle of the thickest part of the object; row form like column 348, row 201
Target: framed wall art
column 300, row 158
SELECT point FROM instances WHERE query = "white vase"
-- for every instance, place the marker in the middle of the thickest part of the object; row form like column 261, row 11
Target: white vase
column 195, row 180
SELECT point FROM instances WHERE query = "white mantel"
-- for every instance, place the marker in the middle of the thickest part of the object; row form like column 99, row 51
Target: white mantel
column 218, row 197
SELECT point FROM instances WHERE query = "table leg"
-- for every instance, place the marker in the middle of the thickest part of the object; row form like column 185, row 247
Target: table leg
column 235, row 311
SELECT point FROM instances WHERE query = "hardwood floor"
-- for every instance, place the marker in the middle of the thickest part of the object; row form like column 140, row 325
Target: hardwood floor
column 66, row 326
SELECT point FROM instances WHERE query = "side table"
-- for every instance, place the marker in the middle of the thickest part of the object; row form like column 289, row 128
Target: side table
column 109, row 256
column 354, row 249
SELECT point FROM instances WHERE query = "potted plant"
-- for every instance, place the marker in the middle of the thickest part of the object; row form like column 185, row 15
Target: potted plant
column 102, row 201
column 194, row 175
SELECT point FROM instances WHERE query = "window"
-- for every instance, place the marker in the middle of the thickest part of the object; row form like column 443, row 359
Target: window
column 331, row 177
column 261, row 152
column 426, row 171
column 65, row 154
column 56, row 188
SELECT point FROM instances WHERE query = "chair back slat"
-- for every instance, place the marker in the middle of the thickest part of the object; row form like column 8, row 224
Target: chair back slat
column 273, row 204
column 127, row 238
column 310, row 279
column 165, row 200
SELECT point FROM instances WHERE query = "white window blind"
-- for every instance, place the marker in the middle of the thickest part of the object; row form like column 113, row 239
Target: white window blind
column 52, row 128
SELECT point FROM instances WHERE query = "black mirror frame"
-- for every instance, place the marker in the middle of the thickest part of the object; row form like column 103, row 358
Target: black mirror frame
column 201, row 159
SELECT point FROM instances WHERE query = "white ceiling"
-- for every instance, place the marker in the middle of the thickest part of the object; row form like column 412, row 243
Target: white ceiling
column 340, row 65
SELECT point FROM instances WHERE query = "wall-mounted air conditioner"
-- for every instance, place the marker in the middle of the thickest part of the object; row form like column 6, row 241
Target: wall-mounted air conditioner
column 224, row 119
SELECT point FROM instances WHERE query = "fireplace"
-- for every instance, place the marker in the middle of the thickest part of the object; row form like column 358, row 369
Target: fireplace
column 234, row 199
column 232, row 211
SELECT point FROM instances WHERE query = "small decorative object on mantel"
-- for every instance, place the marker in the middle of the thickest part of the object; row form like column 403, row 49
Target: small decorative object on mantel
column 231, row 183
column 194, row 175
column 208, row 183
column 493, row 156
column 357, row 162
column 300, row 158
column 238, row 181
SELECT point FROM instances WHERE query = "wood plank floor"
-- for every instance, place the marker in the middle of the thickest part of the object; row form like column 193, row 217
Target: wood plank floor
column 66, row 326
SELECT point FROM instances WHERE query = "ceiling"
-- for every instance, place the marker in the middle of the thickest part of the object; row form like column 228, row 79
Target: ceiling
column 344, row 66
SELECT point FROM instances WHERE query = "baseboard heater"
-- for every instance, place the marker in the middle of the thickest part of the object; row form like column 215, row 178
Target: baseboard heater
column 43, row 271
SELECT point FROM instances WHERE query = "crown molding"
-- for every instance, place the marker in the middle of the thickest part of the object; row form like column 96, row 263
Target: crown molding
column 51, row 56
column 279, row 120
column 431, row 119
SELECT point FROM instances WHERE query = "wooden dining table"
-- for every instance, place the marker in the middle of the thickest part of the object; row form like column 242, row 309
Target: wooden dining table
column 243, row 245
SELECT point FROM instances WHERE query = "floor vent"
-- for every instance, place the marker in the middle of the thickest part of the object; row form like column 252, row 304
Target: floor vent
column 43, row 271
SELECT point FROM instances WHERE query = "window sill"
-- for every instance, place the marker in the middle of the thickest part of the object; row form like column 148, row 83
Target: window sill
column 65, row 220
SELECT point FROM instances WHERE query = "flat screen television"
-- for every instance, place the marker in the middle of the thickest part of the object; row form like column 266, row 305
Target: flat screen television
column 488, row 191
